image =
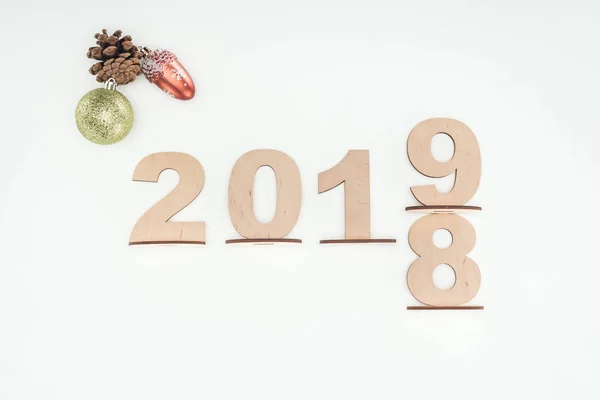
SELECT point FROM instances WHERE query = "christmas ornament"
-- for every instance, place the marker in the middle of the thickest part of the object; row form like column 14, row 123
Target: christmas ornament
column 104, row 116
column 162, row 68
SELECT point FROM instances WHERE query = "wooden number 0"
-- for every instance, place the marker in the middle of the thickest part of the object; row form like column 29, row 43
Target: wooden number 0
column 466, row 162
column 289, row 194
column 154, row 226
column 420, row 273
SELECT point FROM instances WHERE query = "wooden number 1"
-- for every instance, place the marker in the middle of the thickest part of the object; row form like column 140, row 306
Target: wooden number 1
column 353, row 172
column 154, row 226
column 466, row 162
column 289, row 194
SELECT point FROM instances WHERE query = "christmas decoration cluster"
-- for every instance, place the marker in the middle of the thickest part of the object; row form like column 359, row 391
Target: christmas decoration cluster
column 105, row 116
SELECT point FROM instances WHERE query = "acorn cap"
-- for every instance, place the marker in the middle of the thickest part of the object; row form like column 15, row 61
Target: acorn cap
column 154, row 63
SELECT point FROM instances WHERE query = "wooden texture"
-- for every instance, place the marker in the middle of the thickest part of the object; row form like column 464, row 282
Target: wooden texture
column 353, row 171
column 365, row 241
column 442, row 209
column 166, row 242
column 289, row 194
column 420, row 273
column 466, row 161
column 445, row 308
column 154, row 226
column 263, row 241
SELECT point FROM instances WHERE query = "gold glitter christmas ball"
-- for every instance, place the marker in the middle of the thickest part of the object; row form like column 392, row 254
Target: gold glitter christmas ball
column 104, row 116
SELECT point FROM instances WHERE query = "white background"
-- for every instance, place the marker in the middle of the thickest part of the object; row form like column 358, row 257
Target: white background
column 83, row 316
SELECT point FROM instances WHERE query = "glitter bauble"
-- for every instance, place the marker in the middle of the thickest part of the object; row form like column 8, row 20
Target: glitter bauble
column 104, row 116
column 162, row 68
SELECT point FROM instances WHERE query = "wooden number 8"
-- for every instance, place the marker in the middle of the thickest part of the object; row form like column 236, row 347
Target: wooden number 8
column 466, row 161
column 420, row 273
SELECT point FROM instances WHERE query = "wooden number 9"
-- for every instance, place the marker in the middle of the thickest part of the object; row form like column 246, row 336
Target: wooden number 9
column 466, row 161
column 420, row 273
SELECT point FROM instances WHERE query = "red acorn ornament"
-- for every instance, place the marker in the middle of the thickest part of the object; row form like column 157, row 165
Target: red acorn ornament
column 162, row 68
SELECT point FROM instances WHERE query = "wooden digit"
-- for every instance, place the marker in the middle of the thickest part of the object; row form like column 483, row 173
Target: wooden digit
column 420, row 273
column 154, row 226
column 353, row 171
column 466, row 162
column 289, row 195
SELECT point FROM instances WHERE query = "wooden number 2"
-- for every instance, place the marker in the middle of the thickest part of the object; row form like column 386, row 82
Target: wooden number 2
column 420, row 273
column 353, row 172
column 289, row 194
column 466, row 161
column 154, row 226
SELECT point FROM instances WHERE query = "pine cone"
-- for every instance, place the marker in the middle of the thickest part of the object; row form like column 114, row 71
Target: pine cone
column 118, row 58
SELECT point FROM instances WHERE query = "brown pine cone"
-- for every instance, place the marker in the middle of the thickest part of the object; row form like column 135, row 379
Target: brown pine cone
column 118, row 58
